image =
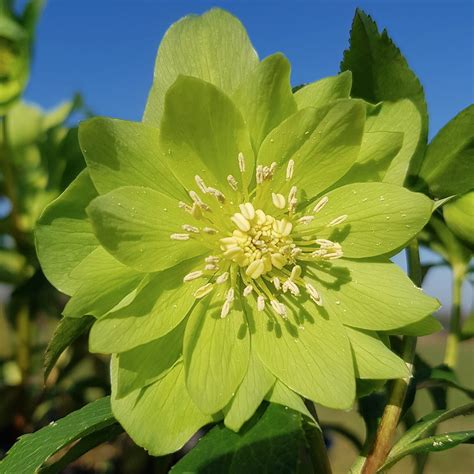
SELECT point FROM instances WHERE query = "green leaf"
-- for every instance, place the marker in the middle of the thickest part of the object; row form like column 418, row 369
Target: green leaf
column 323, row 143
column 103, row 283
column 377, row 151
column 447, row 168
column 158, row 307
column 149, row 362
column 249, row 395
column 381, row 218
column 372, row 294
column 213, row 47
column 440, row 442
column 381, row 73
column 135, row 223
column 403, row 117
column 424, row 327
column 216, row 352
column 265, row 97
column 459, row 217
column 309, row 352
column 372, row 358
column 282, row 395
column 66, row 332
column 440, row 376
column 64, row 234
column 426, row 424
column 270, row 444
column 120, row 153
column 31, row 451
column 202, row 133
column 160, row 417
column 324, row 91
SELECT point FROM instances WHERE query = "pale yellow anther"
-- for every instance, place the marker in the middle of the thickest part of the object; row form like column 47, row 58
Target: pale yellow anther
column 222, row 278
column 338, row 220
column 211, row 267
column 290, row 169
column 217, row 194
column 193, row 276
column 212, row 259
column 241, row 222
column 314, row 294
column 260, row 303
column 190, row 228
column 248, row 290
column 179, row 236
column 225, row 309
column 295, row 272
column 261, row 217
column 278, row 201
column 305, row 220
column 247, row 210
column 255, row 269
column 321, row 203
column 233, row 182
column 241, row 159
column 292, row 194
column 200, row 183
column 232, row 252
column 278, row 307
column 203, row 290
column 276, row 283
column 209, row 230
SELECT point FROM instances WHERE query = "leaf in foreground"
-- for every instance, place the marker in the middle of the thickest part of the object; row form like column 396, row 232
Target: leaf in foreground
column 31, row 451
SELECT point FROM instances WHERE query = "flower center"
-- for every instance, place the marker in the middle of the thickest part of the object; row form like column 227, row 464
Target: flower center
column 255, row 252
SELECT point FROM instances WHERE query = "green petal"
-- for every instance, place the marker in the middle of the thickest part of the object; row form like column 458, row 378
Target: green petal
column 251, row 392
column 381, row 218
column 324, row 91
column 377, row 151
column 134, row 224
column 402, row 117
column 324, row 144
column 213, row 47
column 159, row 306
column 203, row 133
column 373, row 294
column 160, row 417
column 103, row 283
column 282, row 395
column 424, row 327
column 216, row 352
column 309, row 354
column 372, row 358
column 120, row 153
column 64, row 235
column 265, row 97
column 145, row 364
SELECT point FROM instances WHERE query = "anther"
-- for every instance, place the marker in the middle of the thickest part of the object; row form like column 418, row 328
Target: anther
column 222, row 278
column 314, row 294
column 278, row 200
column 290, row 169
column 211, row 267
column 225, row 309
column 200, row 183
column 193, row 276
column 259, row 174
column 190, row 228
column 247, row 210
column 338, row 220
column 278, row 307
column 305, row 220
column 248, row 290
column 233, row 182
column 209, row 230
column 212, row 259
column 217, row 194
column 179, row 236
column 321, row 203
column 241, row 159
column 276, row 283
column 241, row 222
column 203, row 290
column 186, row 207
column 260, row 303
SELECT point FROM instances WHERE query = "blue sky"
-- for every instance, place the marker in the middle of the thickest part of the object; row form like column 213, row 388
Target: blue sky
column 106, row 50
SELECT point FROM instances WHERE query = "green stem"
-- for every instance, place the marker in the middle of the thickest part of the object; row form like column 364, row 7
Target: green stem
column 452, row 342
column 318, row 451
column 393, row 410
column 23, row 340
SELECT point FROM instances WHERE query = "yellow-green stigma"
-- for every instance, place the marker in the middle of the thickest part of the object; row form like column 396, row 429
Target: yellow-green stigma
column 261, row 254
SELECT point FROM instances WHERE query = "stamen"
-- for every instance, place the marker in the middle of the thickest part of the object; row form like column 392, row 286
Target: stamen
column 278, row 307
column 321, row 203
column 314, row 294
column 209, row 230
column 212, row 259
column 247, row 210
column 305, row 220
column 241, row 159
column 337, row 220
column 290, row 169
column 248, row 290
column 186, row 207
column 179, row 236
column 259, row 174
column 193, row 276
column 190, row 228
column 222, row 278
column 211, row 267
column 203, row 290
column 255, row 269
column 230, row 295
column 276, row 283
column 225, row 309
column 200, row 183
column 260, row 303
column 241, row 222
column 233, row 182
column 278, row 200
column 217, row 194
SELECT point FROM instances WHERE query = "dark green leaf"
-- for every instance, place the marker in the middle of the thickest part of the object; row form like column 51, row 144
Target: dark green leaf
column 441, row 376
column 271, row 444
column 67, row 331
column 30, row 452
column 381, row 73
column 440, row 442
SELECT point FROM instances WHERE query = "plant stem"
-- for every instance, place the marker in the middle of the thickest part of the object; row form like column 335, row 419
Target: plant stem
column 318, row 451
column 23, row 340
column 393, row 409
column 452, row 342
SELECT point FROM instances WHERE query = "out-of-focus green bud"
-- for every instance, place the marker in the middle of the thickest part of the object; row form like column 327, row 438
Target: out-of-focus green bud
column 16, row 41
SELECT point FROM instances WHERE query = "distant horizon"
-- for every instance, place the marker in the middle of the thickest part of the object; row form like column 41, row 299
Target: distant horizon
column 106, row 51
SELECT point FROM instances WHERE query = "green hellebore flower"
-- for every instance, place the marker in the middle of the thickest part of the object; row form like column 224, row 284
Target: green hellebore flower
column 221, row 255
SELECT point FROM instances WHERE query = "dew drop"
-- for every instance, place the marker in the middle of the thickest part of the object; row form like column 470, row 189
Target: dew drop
column 338, row 302
column 365, row 199
column 382, row 198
